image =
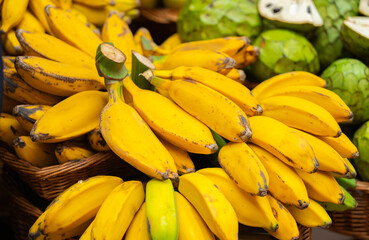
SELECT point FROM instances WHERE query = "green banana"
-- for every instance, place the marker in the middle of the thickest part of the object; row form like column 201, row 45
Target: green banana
column 349, row 203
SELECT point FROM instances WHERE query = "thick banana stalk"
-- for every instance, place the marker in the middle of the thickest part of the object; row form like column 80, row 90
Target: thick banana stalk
column 49, row 47
column 267, row 87
column 38, row 8
column 281, row 141
column 209, row 106
column 97, row 141
column 169, row 121
column 191, row 225
column 243, row 166
column 171, row 42
column 11, row 43
column 30, row 23
column 342, row 145
column 57, row 78
column 138, row 229
column 70, row 118
column 94, row 15
column 236, row 92
column 70, row 151
column 161, row 210
column 245, row 205
column 211, row 204
column 118, row 210
column 27, row 115
column 301, row 114
column 9, row 104
column 96, row 3
column 348, row 203
column 73, row 210
column 10, row 128
column 12, row 12
column 8, row 61
column 284, row 183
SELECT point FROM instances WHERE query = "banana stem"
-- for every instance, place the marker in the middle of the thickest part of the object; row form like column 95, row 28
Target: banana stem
column 140, row 64
column 156, row 81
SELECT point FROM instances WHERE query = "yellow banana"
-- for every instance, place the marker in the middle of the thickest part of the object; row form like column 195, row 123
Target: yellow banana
column 87, row 233
column 138, row 229
column 267, row 87
column 236, row 92
column 281, row 141
column 321, row 186
column 284, row 184
column 118, row 210
column 9, row 104
column 65, row 4
column 351, row 168
column 209, row 106
column 211, row 204
column 27, row 115
column 148, row 46
column 125, row 5
column 73, row 210
column 97, row 141
column 11, row 43
column 191, row 225
column 10, row 128
column 342, row 145
column 244, row 167
column 49, row 47
column 70, row 118
column 312, row 216
column 96, row 3
column 170, row 122
column 70, row 151
column 8, row 61
column 38, row 154
column 57, row 78
column 141, row 32
column 246, row 206
column 70, row 29
column 171, row 42
column 12, row 12
column 237, row 75
column 301, row 114
column 94, row 15
column 16, row 88
column 38, row 8
column 30, row 23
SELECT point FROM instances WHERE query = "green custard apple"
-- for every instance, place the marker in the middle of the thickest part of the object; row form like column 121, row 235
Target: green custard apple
column 355, row 36
column 361, row 141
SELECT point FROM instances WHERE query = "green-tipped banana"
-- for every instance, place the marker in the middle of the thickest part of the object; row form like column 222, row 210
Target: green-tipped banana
column 347, row 183
column 349, row 203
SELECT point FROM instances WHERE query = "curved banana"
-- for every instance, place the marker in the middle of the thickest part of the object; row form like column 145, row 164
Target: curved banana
column 38, row 8
column 236, row 92
column 351, row 168
column 125, row 5
column 11, row 44
column 57, row 78
column 301, row 114
column 209, row 106
column 348, row 203
column 170, row 122
column 281, row 141
column 9, row 104
column 237, row 75
column 243, row 166
column 246, row 206
column 96, row 3
column 211, row 204
column 137, row 38
column 30, row 23
column 284, row 184
column 161, row 210
column 12, row 12
column 70, row 151
column 96, row 16
column 97, row 141
column 70, row 118
column 10, row 128
column 117, row 211
column 147, row 44
column 8, row 61
column 342, row 145
column 138, row 229
column 27, row 115
column 171, row 42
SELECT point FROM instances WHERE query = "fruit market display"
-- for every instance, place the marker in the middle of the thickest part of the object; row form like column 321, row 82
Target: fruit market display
column 240, row 117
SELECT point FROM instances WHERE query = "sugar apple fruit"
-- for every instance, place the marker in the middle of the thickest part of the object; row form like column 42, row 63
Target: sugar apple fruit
column 355, row 36
column 361, row 141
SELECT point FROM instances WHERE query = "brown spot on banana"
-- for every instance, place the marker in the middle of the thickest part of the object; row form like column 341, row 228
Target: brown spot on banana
column 303, row 204
column 19, row 142
column 212, row 147
column 246, row 134
column 342, row 198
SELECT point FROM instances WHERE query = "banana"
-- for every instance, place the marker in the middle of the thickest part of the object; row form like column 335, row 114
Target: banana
column 246, row 206
column 161, row 210
column 284, row 184
column 138, row 229
column 96, row 3
column 94, row 15
column 57, row 78
column 209, row 106
column 27, row 115
column 10, row 128
column 38, row 154
column 73, row 210
column 8, row 61
column 325, row 98
column 351, row 168
column 16, row 88
column 30, row 23
column 125, row 5
column 65, row 4
column 237, row 75
column 87, row 233
column 211, row 204
column 97, row 141
column 38, row 8
column 348, row 204
column 280, row 81
column 148, row 46
column 70, row 29
column 12, row 12
column 346, row 183
column 137, row 38
column 11, row 44
column 118, row 210
column 170, row 122
column 236, row 92
column 70, row 118
column 191, row 225
column 8, row 104
column 49, row 47
column 287, row 224
column 71, row 150
column 283, row 142
column 244, row 167
column 171, row 42
column 342, row 145
column 321, row 186
column 301, row 114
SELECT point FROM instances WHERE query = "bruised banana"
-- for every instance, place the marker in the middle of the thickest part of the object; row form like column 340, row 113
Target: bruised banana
column 283, row 142
column 70, row 151
column 208, row 106
column 342, row 145
column 236, row 92
column 70, row 118
column 348, row 203
column 301, row 114
column 57, row 78
column 30, row 23
column 9, row 104
column 97, row 141
column 242, row 165
column 284, row 183
column 27, row 115
column 11, row 44
column 38, row 8
column 12, row 12
column 245, row 205
column 117, row 211
column 138, row 229
column 10, row 128
column 8, row 61
column 211, row 204
column 171, row 122
column 38, row 154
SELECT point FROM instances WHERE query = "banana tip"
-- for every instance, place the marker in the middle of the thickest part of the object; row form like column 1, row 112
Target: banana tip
column 259, row 109
column 303, row 204
column 339, row 133
column 213, row 147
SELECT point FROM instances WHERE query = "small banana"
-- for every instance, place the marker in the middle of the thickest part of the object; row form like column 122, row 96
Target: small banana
column 145, row 42
column 9, row 104
column 171, row 42
column 283, row 142
column 237, row 75
column 141, row 32
column 161, row 210
column 8, row 61
column 342, row 145
column 70, row 151
column 117, row 211
column 96, row 3
column 138, row 229
column 11, row 43
column 10, row 128
column 96, row 16
column 27, row 115
column 12, row 12
column 97, row 141
column 37, row 7
column 351, row 168
column 125, row 5
column 348, row 204
column 30, row 23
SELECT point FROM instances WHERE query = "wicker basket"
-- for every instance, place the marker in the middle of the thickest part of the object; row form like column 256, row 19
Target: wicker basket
column 354, row 222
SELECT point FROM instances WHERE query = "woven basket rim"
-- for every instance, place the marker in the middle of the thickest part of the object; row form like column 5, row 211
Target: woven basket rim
column 361, row 186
